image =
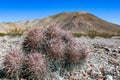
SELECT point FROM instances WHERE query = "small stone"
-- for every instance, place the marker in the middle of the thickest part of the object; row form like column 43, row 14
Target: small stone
column 115, row 50
column 59, row 78
column 108, row 77
column 55, row 76
column 107, row 49
column 4, row 40
column 94, row 74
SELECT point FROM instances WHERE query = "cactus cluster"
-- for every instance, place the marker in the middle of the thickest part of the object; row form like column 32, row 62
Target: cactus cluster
column 59, row 47
column 35, row 67
column 13, row 64
column 32, row 40
column 44, row 51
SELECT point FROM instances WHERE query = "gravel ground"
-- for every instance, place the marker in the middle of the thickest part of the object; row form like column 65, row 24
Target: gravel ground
column 103, row 62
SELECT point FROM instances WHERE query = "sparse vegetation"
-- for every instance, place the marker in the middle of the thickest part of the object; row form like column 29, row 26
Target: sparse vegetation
column 2, row 34
column 93, row 33
column 118, row 32
column 16, row 31
column 76, row 34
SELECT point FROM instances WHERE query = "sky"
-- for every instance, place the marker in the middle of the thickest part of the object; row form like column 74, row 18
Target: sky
column 19, row 10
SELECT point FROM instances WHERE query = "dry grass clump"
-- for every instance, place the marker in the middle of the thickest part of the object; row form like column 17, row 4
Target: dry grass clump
column 2, row 34
column 16, row 31
column 76, row 34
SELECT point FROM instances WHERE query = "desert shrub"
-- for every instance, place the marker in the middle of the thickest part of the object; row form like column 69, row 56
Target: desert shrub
column 118, row 33
column 2, row 34
column 16, row 31
column 105, row 35
column 92, row 33
column 35, row 67
column 12, row 64
column 32, row 40
column 75, row 34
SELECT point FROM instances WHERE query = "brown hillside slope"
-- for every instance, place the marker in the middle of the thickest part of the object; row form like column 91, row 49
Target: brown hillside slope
column 81, row 22
column 72, row 21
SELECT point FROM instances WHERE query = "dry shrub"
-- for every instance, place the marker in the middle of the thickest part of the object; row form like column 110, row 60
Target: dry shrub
column 2, row 34
column 16, row 31
column 92, row 33
column 76, row 34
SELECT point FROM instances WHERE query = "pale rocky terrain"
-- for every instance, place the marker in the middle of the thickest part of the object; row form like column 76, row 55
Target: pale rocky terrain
column 103, row 62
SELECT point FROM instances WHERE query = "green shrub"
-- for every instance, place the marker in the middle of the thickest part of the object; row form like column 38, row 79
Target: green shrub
column 76, row 34
column 105, row 35
column 2, row 34
column 92, row 33
column 118, row 33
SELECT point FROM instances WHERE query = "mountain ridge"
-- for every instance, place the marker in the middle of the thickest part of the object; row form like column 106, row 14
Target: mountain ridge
column 71, row 21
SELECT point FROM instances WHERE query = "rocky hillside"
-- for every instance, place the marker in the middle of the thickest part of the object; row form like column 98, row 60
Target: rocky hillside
column 72, row 21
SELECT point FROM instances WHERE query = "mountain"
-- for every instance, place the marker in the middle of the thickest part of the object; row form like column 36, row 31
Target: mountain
column 71, row 21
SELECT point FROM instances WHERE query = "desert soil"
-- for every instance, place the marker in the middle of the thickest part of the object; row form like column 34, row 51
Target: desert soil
column 103, row 62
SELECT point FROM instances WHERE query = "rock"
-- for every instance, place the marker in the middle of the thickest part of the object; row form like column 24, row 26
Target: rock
column 118, row 49
column 100, row 46
column 58, row 78
column 108, row 77
column 107, row 49
column 55, row 76
column 94, row 74
column 4, row 40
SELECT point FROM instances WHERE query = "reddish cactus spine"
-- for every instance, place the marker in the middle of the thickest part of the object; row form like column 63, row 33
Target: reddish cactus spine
column 35, row 67
column 13, row 64
column 32, row 41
